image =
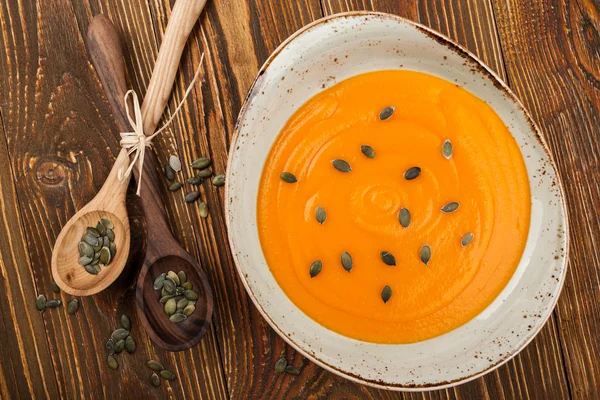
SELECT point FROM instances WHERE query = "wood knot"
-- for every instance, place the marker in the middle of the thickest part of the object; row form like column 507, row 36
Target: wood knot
column 50, row 173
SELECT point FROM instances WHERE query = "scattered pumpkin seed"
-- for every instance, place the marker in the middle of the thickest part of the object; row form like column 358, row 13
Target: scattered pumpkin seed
column 321, row 215
column 195, row 180
column 386, row 294
column 280, row 365
column 466, row 240
column 447, row 149
column 112, row 362
column 291, row 370
column 205, row 173
column 170, row 307
column 177, row 318
column 203, row 210
column 168, row 375
column 97, row 246
column 155, row 380
column 175, row 186
column 386, row 113
column 201, row 163
column 55, row 288
column 119, row 346
column 450, row 207
column 40, row 303
column 169, row 172
column 341, row 165
column 425, row 254
column 387, row 258
column 130, row 345
column 72, row 306
column 190, row 295
column 53, row 303
column 182, row 277
column 125, row 322
column 110, row 347
column 158, row 282
column 404, row 217
column 288, row 177
column 191, row 197
column 412, row 173
column 155, row 365
column 315, row 268
column 219, row 180
column 175, row 163
column 367, row 151
column 118, row 334
column 347, row 261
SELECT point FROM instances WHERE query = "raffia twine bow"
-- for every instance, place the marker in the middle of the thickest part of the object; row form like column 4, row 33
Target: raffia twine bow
column 136, row 141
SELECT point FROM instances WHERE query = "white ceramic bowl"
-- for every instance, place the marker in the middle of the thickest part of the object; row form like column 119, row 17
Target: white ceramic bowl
column 327, row 52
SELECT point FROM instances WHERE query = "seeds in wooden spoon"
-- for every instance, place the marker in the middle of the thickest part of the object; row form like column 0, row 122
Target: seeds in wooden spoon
column 387, row 258
column 447, row 149
column 97, row 247
column 425, row 254
column 189, row 310
column 386, row 113
column 170, row 307
column 367, row 151
column 341, row 165
column 175, row 186
column 72, row 306
column 321, row 215
column 177, row 295
column 450, row 207
column 187, row 286
column 112, row 362
column 158, row 282
column 174, row 277
column 219, row 180
column 155, row 380
column 347, row 261
column 404, row 217
column 182, row 277
column 315, row 268
column 40, row 303
column 86, row 250
column 386, row 294
column 182, row 303
column 201, row 163
column 177, row 318
column 175, row 163
column 412, row 173
column 190, row 295
column 288, row 177
column 107, row 223
column 155, row 365
column 280, row 365
column 466, row 240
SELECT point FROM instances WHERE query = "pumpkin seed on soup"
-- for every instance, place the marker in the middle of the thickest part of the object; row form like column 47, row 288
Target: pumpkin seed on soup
column 367, row 151
column 321, row 215
column 450, row 207
column 404, row 217
column 386, row 294
column 341, row 165
column 387, row 258
column 447, row 149
column 315, row 268
column 466, row 240
column 347, row 261
column 412, row 173
column 425, row 254
column 386, row 113
column 288, row 177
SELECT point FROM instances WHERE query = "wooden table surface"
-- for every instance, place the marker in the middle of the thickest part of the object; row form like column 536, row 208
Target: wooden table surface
column 58, row 142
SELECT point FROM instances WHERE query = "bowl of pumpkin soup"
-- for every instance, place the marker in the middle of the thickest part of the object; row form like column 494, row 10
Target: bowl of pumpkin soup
column 393, row 211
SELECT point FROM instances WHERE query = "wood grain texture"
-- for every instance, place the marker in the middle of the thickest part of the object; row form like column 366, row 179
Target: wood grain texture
column 559, row 82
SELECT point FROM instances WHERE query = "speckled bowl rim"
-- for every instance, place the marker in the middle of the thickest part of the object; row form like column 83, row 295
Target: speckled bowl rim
column 442, row 39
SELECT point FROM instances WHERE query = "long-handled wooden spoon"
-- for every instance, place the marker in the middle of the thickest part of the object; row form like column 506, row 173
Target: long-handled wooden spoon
column 163, row 252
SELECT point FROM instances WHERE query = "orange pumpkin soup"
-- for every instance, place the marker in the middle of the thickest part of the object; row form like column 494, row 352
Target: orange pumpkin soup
column 410, row 272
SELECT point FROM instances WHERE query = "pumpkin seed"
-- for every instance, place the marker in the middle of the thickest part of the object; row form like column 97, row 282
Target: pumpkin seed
column 169, row 286
column 466, row 240
column 190, row 295
column 112, row 362
column 113, row 249
column 189, row 310
column 177, row 318
column 125, row 322
column 386, row 113
column 315, row 268
column 158, row 282
column 155, row 365
column 321, row 215
column 201, row 163
column 450, row 207
column 91, row 240
column 100, row 228
column 85, row 249
column 175, row 163
column 110, row 347
column 72, row 306
column 288, row 177
column 174, row 277
column 175, row 186
column 119, row 346
column 291, row 370
column 367, row 151
column 219, row 180
column 107, row 223
column 104, row 256
column 341, row 165
column 412, row 173
column 92, row 269
column 98, row 248
column 168, row 375
column 118, row 334
column 55, row 288
column 280, row 365
column 130, row 345
column 182, row 277
column 187, row 286
column 191, row 197
column 182, row 303
column 155, row 380
column 205, row 173
column 387, row 258
column 347, row 261
column 195, row 180
column 447, row 149
column 425, row 254
column 170, row 307
column 169, row 172
column 53, row 303
column 404, row 217
column 105, row 242
column 386, row 294
column 93, row 232
column 40, row 303
column 203, row 210
column 166, row 298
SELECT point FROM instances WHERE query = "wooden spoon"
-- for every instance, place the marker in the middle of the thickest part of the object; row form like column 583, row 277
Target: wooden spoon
column 163, row 252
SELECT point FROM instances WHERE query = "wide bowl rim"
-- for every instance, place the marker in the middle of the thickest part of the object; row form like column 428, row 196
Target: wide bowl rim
column 535, row 129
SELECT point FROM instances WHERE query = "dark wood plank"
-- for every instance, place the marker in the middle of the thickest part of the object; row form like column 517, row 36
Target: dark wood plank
column 551, row 53
column 62, row 143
